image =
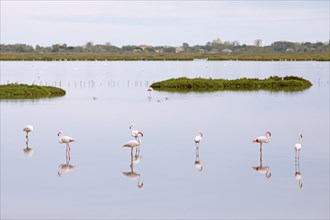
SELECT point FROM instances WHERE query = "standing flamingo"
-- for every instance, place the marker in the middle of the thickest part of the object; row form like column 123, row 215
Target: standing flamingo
column 28, row 150
column 27, row 129
column 65, row 139
column 136, row 133
column 298, row 145
column 132, row 144
column 198, row 138
column 262, row 139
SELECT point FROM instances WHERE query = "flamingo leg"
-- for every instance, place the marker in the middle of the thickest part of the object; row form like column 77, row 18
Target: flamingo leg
column 260, row 154
column 131, row 159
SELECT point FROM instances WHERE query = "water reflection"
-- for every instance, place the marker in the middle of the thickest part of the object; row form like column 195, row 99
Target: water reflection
column 198, row 164
column 65, row 167
column 297, row 173
column 131, row 174
column 27, row 150
column 262, row 169
column 150, row 89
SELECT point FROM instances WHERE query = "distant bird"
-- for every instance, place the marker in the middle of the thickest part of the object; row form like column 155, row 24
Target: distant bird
column 27, row 129
column 136, row 133
column 298, row 145
column 198, row 137
column 64, row 139
column 150, row 89
column 262, row 139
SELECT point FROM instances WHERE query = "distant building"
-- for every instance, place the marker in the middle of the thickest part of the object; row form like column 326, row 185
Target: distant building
column 143, row 47
column 227, row 51
column 179, row 49
column 258, row 43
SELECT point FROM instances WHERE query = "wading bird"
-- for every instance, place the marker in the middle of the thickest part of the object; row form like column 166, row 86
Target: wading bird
column 262, row 139
column 27, row 129
column 136, row 133
column 64, row 139
column 27, row 150
column 198, row 137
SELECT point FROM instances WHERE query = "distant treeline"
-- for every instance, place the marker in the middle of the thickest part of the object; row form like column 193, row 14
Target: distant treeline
column 279, row 47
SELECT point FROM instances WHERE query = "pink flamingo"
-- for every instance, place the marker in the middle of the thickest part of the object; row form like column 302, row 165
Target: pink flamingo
column 262, row 139
column 64, row 139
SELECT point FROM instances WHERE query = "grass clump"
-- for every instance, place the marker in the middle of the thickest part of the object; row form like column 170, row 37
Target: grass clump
column 273, row 83
column 23, row 91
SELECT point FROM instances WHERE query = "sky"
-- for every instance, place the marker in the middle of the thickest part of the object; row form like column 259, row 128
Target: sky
column 160, row 23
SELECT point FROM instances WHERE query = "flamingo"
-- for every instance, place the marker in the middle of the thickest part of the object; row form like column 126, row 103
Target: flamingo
column 132, row 144
column 28, row 151
column 136, row 133
column 150, row 89
column 262, row 139
column 298, row 145
column 27, row 129
column 64, row 139
column 198, row 137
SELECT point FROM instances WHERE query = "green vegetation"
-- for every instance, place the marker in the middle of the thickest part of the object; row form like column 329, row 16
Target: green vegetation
column 273, row 83
column 215, row 50
column 23, row 91
column 160, row 57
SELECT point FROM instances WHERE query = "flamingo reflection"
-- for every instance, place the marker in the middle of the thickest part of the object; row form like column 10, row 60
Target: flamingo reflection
column 297, row 173
column 133, row 175
column 198, row 164
column 150, row 89
column 27, row 150
column 66, row 167
column 263, row 169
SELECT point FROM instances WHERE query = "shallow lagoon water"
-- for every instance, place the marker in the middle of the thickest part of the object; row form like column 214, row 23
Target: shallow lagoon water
column 104, row 98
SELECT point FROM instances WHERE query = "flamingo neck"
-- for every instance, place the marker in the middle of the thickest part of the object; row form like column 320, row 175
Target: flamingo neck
column 267, row 136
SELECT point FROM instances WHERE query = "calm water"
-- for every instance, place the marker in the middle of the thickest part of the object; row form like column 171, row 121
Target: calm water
column 98, row 178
